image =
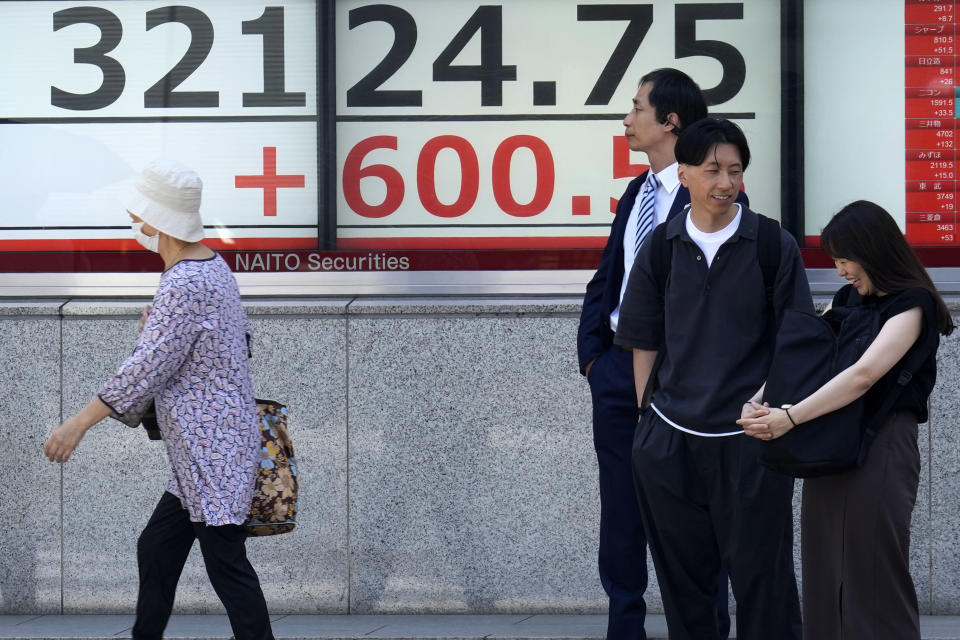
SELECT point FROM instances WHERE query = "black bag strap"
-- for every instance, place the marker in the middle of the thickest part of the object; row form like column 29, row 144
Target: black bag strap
column 913, row 362
column 853, row 297
column 661, row 256
column 768, row 254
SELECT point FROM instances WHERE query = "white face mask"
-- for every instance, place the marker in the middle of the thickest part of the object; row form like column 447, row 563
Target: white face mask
column 151, row 243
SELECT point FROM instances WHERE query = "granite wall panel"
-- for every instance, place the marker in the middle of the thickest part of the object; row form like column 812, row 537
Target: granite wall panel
column 472, row 472
column 445, row 451
column 116, row 475
column 30, row 573
column 299, row 358
column 944, row 477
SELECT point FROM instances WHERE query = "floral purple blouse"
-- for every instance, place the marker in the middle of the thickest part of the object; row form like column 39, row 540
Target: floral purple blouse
column 192, row 359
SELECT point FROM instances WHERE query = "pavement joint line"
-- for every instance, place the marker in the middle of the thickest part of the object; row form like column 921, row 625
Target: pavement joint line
column 377, row 629
column 532, row 615
column 399, row 627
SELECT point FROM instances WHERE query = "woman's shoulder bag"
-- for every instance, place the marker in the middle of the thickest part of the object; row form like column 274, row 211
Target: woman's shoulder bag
column 274, row 506
column 809, row 351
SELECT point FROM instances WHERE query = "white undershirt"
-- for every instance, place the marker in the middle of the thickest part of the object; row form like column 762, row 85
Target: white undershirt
column 665, row 195
column 709, row 243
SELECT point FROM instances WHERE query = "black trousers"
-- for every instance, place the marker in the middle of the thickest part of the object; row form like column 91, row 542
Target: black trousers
column 707, row 503
column 162, row 550
column 855, row 541
column 622, row 558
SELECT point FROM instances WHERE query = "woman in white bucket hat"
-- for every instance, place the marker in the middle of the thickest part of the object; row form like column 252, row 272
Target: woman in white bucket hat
column 191, row 360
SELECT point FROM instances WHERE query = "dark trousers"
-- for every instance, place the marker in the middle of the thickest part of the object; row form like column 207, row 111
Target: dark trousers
column 855, row 540
column 162, row 550
column 707, row 503
column 622, row 555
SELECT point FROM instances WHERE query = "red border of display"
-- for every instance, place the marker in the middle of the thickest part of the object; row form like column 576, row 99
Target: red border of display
column 414, row 260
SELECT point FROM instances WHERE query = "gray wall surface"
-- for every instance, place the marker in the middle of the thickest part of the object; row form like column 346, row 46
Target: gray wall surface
column 444, row 446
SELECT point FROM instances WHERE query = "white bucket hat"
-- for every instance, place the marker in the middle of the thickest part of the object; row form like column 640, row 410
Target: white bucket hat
column 167, row 197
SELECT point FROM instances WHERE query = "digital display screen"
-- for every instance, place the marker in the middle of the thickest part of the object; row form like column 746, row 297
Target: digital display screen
column 343, row 135
column 96, row 92
column 473, row 125
column 931, row 111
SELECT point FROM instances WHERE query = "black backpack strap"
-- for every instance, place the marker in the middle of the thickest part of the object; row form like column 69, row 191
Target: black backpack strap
column 853, row 297
column 661, row 256
column 768, row 254
column 913, row 362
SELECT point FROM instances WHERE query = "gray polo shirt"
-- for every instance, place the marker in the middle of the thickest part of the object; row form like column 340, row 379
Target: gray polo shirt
column 713, row 323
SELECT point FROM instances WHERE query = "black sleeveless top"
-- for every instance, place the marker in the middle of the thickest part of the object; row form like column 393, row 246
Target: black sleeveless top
column 915, row 395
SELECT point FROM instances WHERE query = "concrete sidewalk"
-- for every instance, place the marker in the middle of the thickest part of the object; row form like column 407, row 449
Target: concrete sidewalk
column 394, row 627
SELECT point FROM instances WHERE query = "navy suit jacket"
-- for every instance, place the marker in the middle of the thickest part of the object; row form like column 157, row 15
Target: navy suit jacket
column 603, row 291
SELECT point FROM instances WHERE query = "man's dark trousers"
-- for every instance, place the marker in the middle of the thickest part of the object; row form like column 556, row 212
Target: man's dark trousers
column 706, row 500
column 623, row 553
column 623, row 556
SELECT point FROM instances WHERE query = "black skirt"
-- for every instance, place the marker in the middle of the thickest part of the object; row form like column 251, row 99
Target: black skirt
column 855, row 543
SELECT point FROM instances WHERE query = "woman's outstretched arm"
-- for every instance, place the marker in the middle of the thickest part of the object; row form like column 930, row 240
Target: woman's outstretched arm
column 67, row 436
column 897, row 335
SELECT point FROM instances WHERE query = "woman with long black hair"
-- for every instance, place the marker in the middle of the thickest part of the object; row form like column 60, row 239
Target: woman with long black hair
column 855, row 526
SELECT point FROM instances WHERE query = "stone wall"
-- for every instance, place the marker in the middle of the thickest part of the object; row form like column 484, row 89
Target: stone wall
column 445, row 450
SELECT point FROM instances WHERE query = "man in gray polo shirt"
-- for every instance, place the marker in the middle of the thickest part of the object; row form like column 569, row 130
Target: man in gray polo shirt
column 704, row 498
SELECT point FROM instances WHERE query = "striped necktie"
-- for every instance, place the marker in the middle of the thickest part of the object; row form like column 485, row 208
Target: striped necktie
column 647, row 204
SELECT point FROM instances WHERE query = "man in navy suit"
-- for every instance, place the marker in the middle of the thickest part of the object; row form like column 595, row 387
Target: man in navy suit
column 666, row 101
